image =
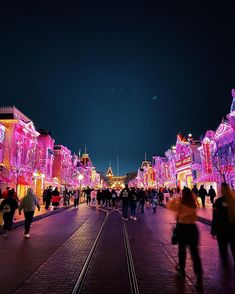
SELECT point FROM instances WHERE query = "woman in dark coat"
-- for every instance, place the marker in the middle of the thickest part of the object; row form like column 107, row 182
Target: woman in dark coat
column 223, row 222
column 8, row 207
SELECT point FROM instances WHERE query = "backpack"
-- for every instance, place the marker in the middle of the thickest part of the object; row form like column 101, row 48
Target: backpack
column 6, row 208
column 125, row 194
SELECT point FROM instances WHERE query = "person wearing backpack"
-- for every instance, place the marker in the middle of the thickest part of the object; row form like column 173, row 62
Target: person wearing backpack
column 28, row 204
column 8, row 207
column 125, row 198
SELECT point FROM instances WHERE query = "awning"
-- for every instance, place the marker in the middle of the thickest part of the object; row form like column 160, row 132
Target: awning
column 207, row 178
column 22, row 181
column 4, row 180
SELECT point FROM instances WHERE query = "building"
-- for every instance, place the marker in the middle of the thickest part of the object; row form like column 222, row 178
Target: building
column 218, row 152
column 62, row 167
column 42, row 177
column 115, row 182
column 19, row 153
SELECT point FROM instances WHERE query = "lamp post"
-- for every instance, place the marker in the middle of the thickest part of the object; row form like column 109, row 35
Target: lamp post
column 80, row 178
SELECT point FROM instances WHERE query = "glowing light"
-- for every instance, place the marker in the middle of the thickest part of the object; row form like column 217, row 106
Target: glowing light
column 80, row 177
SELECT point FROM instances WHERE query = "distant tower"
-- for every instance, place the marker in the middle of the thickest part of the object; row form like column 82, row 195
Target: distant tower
column 109, row 173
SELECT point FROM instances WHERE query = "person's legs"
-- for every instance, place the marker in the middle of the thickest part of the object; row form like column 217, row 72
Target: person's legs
column 232, row 246
column 223, row 244
column 203, row 202
column 182, row 256
column 197, row 266
column 28, row 220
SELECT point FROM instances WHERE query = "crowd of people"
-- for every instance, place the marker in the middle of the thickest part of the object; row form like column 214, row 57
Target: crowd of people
column 132, row 200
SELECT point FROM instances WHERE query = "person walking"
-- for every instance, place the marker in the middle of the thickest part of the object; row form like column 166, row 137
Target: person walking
column 202, row 193
column 99, row 196
column 76, row 198
column 142, row 197
column 28, row 204
column 187, row 231
column 133, row 203
column 48, row 196
column 114, row 198
column 8, row 207
column 125, row 198
column 93, row 198
column 88, row 196
column 212, row 194
column 55, row 198
column 223, row 222
column 153, row 199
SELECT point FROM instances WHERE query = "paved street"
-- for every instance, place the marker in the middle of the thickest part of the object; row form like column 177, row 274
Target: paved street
column 52, row 259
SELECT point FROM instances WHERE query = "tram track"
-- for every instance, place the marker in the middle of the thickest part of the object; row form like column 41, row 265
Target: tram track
column 132, row 288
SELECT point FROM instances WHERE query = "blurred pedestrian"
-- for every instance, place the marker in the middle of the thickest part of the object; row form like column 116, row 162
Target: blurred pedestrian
column 93, row 198
column 114, row 198
column 99, row 196
column 223, row 222
column 133, row 203
column 202, row 193
column 212, row 194
column 47, row 197
column 28, row 204
column 125, row 198
column 187, row 231
column 142, row 197
column 5, row 193
column 8, row 207
column 76, row 198
column 88, row 196
column 55, row 198
column 153, row 199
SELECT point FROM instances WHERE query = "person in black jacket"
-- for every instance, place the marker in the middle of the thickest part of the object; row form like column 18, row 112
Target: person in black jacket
column 202, row 193
column 223, row 222
column 8, row 207
column 212, row 194
column 142, row 199
column 125, row 197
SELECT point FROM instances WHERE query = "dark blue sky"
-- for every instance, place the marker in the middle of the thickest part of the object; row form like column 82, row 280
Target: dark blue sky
column 119, row 76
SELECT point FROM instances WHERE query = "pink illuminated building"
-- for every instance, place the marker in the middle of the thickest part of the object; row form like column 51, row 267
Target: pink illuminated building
column 218, row 152
column 145, row 175
column 42, row 177
column 180, row 166
column 164, row 168
column 85, row 167
column 20, row 156
column 4, row 173
column 62, row 166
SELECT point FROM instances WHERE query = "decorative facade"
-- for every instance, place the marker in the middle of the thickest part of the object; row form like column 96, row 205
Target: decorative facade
column 20, row 156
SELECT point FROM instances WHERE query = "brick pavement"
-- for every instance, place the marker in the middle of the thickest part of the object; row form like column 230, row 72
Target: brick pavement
column 59, row 273
column 155, row 268
column 108, row 272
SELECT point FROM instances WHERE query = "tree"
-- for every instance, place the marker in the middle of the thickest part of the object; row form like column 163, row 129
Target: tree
column 223, row 161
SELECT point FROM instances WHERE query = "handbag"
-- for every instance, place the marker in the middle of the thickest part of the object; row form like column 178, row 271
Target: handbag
column 174, row 237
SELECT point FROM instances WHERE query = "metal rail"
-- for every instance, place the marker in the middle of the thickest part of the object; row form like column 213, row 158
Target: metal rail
column 130, row 264
column 80, row 281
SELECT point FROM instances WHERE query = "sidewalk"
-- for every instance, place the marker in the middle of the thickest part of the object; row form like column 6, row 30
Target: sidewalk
column 205, row 214
column 19, row 219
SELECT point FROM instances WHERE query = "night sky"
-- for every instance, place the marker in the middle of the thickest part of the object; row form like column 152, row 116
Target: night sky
column 122, row 77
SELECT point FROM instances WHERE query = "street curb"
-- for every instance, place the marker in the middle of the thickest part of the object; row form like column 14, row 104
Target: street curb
column 20, row 223
column 40, row 216
column 199, row 218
